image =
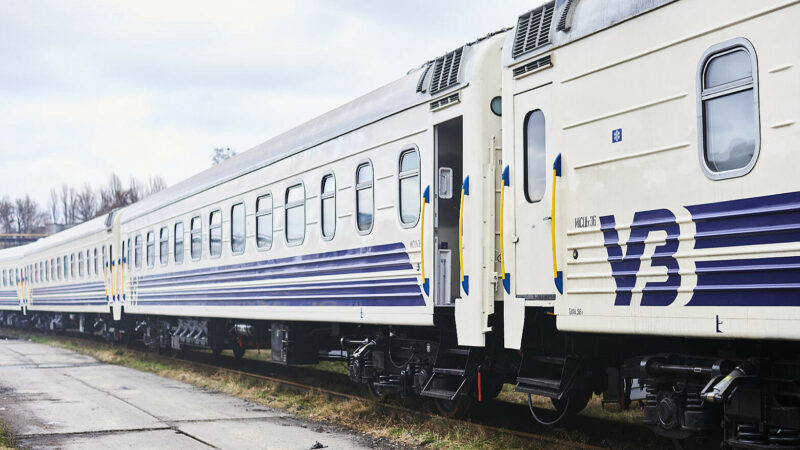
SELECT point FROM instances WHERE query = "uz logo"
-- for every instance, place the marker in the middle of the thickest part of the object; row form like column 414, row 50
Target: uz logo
column 625, row 268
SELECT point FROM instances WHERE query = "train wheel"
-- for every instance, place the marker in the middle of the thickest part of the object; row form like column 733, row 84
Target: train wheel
column 570, row 404
column 454, row 409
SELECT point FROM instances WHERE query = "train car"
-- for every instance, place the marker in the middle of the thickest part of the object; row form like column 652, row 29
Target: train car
column 651, row 214
column 69, row 276
column 10, row 288
column 357, row 231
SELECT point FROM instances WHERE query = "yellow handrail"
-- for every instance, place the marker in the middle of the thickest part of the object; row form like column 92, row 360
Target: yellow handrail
column 464, row 278
column 426, row 198
column 506, row 277
column 557, row 275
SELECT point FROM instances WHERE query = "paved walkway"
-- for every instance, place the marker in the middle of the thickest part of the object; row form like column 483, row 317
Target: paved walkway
column 56, row 398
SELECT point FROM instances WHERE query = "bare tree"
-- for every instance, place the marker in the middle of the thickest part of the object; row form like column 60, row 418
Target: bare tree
column 69, row 204
column 135, row 190
column 155, row 184
column 52, row 205
column 86, row 203
column 7, row 213
column 221, row 154
column 28, row 215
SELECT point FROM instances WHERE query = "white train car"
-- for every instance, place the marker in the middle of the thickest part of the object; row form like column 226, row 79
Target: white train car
column 650, row 193
column 69, row 272
column 10, row 287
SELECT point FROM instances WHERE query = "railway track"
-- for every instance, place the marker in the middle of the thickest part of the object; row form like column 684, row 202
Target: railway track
column 494, row 416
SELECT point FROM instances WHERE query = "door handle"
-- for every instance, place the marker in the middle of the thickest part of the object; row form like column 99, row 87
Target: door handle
column 558, row 278
column 506, row 277
column 464, row 278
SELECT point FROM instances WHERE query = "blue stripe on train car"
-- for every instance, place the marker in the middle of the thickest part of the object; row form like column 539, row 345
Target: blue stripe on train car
column 772, row 219
column 392, row 292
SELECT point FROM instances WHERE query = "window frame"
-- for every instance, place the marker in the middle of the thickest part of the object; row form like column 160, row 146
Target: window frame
column 408, row 174
column 163, row 257
column 356, row 188
column 137, row 252
column 147, row 244
column 286, row 207
column 525, row 156
column 322, row 198
column 244, row 220
column 175, row 242
column 221, row 236
column 729, row 88
column 199, row 219
column 272, row 220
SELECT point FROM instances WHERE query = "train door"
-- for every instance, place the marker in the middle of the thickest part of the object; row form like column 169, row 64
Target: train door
column 534, row 157
column 448, row 144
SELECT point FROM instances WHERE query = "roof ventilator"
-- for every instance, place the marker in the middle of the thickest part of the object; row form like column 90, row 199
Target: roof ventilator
column 533, row 29
column 541, row 63
column 421, row 82
column 445, row 71
column 445, row 101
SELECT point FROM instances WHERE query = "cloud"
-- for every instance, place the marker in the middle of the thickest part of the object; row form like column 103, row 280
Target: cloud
column 150, row 87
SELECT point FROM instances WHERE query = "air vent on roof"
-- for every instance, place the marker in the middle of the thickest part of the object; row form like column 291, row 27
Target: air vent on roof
column 421, row 82
column 445, row 71
column 532, row 66
column 446, row 101
column 562, row 22
column 533, row 29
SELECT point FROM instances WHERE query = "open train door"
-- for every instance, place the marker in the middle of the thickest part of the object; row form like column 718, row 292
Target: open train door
column 538, row 281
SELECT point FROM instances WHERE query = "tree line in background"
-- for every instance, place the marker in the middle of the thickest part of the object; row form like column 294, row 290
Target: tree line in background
column 69, row 206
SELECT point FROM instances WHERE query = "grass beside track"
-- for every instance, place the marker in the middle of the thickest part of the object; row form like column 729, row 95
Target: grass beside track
column 406, row 428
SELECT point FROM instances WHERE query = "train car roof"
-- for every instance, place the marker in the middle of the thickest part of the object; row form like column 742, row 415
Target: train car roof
column 96, row 225
column 383, row 102
column 12, row 253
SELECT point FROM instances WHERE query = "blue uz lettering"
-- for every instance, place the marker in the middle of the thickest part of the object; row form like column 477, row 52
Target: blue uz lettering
column 624, row 268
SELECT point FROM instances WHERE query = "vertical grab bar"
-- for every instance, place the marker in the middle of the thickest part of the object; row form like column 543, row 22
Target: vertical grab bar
column 558, row 276
column 506, row 277
column 464, row 278
column 426, row 198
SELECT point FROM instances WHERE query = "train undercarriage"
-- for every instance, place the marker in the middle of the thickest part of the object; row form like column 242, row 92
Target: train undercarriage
column 739, row 394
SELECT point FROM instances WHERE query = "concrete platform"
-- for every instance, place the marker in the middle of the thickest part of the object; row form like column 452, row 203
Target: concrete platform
column 56, row 398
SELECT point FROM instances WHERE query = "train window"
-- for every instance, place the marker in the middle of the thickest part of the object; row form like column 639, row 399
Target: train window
column 72, row 266
column 727, row 80
column 151, row 249
column 215, row 234
column 328, row 206
column 137, row 252
column 408, row 179
column 88, row 263
column 178, row 250
column 80, row 264
column 238, row 243
column 364, row 198
column 535, row 156
column 53, row 269
column 264, row 222
column 163, row 246
column 105, row 256
column 196, row 243
column 96, row 269
column 295, row 207
column 66, row 270
column 5, row 279
column 47, row 271
column 111, row 255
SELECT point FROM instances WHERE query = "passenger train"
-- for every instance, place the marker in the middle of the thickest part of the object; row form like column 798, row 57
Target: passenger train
column 601, row 194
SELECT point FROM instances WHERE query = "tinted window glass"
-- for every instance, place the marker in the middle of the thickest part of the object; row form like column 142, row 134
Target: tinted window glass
column 264, row 222
column 364, row 197
column 196, row 238
column 178, row 250
column 535, row 156
column 163, row 245
column 215, row 234
column 328, row 206
column 295, row 214
column 409, row 187
column 238, row 229
column 137, row 252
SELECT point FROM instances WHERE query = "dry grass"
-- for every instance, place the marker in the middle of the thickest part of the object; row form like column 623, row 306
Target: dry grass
column 363, row 416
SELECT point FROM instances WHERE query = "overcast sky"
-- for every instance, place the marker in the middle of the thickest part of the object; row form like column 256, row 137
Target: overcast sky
column 152, row 87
